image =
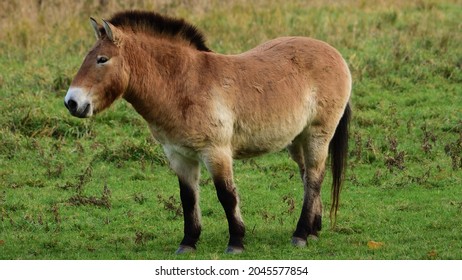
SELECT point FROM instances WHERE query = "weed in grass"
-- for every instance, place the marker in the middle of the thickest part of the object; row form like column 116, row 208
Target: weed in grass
column 290, row 201
column 171, row 205
column 103, row 201
column 372, row 153
column 56, row 216
column 358, row 150
column 267, row 216
column 454, row 151
column 50, row 160
column 142, row 237
column 395, row 159
column 82, row 180
column 421, row 180
column 139, row 198
column 378, row 178
column 429, row 139
column 4, row 214
column 363, row 152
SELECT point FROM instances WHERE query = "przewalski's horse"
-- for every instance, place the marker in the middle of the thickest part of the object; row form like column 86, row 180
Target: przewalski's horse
column 202, row 106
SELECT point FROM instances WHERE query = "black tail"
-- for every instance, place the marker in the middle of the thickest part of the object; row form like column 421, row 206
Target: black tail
column 338, row 149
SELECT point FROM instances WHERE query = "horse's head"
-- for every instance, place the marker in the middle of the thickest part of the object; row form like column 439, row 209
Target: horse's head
column 103, row 76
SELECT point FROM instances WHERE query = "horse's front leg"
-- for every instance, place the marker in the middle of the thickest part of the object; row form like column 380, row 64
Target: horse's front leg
column 219, row 162
column 188, row 172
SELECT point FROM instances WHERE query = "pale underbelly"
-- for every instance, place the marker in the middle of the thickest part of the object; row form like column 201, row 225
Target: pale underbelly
column 261, row 142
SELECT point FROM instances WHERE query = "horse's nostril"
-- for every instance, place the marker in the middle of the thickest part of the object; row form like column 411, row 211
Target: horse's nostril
column 71, row 105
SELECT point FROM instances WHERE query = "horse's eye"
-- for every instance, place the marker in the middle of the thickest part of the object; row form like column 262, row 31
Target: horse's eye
column 101, row 59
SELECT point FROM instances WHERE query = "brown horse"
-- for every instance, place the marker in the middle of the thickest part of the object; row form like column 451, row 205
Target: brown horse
column 202, row 106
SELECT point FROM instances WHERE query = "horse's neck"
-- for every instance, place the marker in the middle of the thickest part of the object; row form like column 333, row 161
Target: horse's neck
column 156, row 77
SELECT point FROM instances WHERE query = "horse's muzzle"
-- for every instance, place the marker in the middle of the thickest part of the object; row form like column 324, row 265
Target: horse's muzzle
column 76, row 110
column 78, row 103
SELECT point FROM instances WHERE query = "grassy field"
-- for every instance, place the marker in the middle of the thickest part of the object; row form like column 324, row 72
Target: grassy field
column 101, row 188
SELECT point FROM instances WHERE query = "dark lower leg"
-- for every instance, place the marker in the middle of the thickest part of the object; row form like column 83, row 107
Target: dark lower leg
column 192, row 226
column 306, row 227
column 310, row 222
column 228, row 197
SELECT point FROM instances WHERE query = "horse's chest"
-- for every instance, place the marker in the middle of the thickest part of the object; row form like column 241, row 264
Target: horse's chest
column 184, row 152
column 170, row 145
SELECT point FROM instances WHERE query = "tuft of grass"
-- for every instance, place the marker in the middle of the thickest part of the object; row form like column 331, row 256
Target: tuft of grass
column 129, row 151
column 82, row 200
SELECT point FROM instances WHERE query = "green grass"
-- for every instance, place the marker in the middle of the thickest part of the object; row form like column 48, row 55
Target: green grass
column 101, row 188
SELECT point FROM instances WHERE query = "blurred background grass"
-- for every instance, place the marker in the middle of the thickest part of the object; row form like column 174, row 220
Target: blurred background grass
column 404, row 33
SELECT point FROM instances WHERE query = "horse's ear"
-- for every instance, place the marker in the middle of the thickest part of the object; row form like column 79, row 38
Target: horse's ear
column 95, row 26
column 111, row 32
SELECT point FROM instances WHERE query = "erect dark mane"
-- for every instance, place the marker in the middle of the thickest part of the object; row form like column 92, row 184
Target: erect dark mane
column 156, row 24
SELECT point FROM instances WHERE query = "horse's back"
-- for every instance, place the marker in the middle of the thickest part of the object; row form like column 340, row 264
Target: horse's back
column 290, row 65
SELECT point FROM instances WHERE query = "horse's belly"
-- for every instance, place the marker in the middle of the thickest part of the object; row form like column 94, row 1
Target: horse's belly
column 255, row 142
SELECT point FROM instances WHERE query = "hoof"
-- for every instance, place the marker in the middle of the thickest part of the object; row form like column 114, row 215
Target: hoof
column 298, row 242
column 185, row 250
column 313, row 237
column 234, row 250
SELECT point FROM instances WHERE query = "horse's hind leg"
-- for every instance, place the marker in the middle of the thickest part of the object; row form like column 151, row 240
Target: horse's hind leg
column 188, row 172
column 296, row 153
column 315, row 153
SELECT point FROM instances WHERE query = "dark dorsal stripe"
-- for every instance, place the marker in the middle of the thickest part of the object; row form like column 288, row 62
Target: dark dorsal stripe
column 156, row 24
